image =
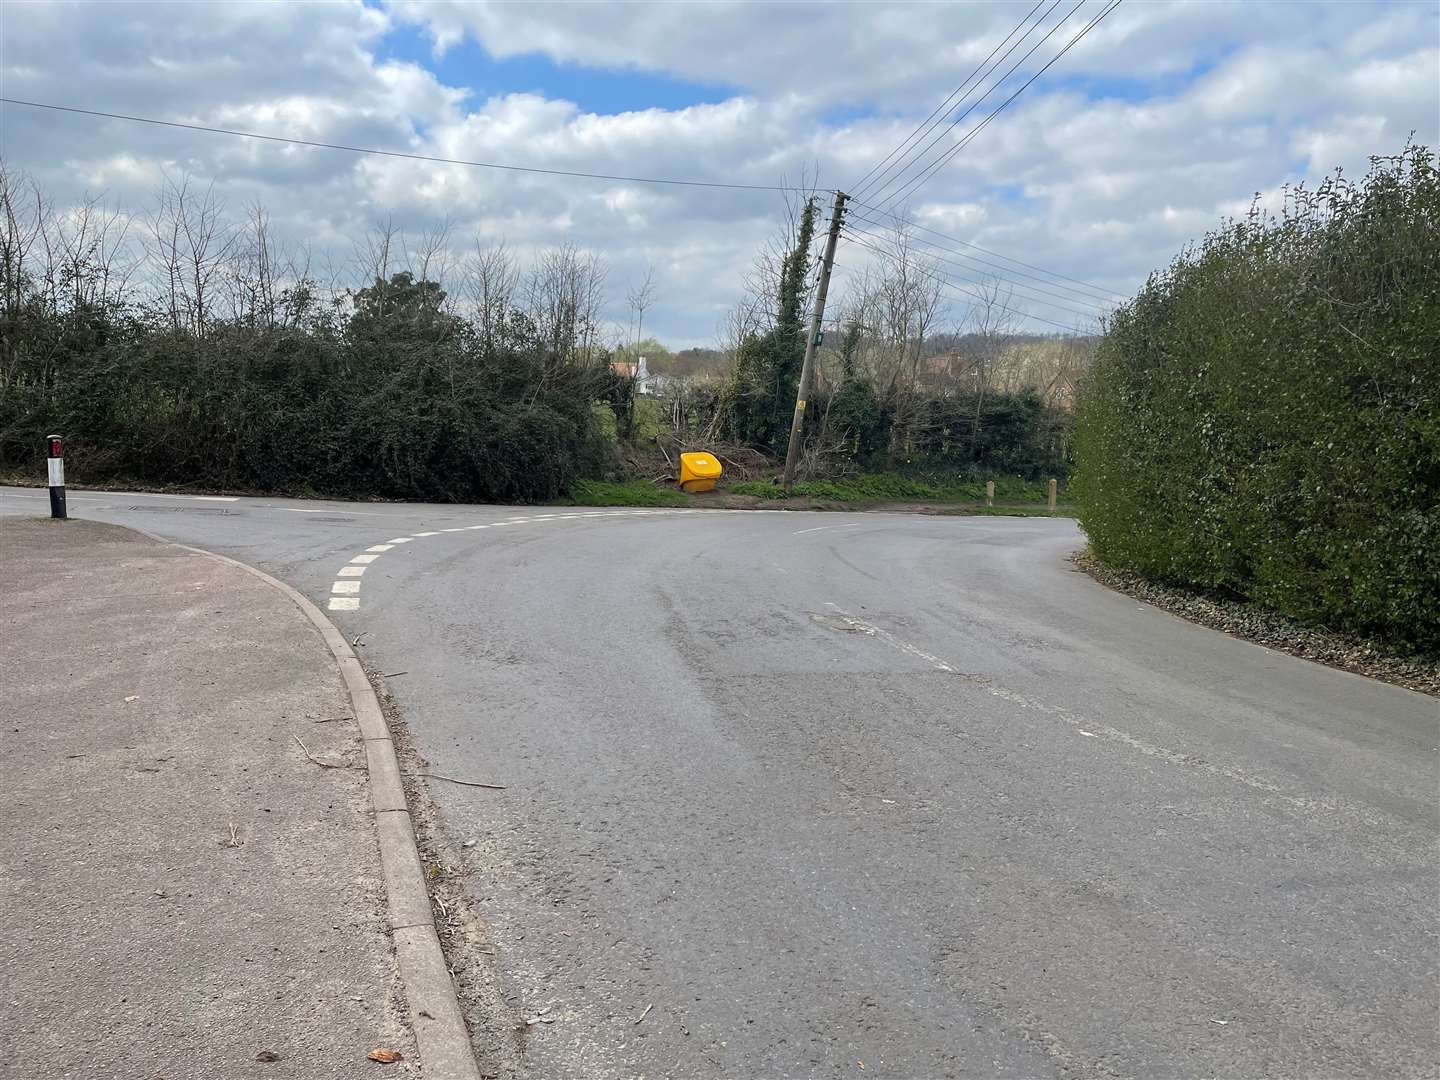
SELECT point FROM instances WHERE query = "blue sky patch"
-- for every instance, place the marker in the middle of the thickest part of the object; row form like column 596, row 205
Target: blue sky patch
column 595, row 90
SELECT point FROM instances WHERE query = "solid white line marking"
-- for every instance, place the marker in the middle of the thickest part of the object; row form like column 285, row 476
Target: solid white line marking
column 352, row 571
column 891, row 640
column 428, row 534
column 298, row 510
column 346, row 587
column 460, row 529
column 822, row 528
column 400, row 540
column 363, row 559
column 344, row 603
column 380, row 547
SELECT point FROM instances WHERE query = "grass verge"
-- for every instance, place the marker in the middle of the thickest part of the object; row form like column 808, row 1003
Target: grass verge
column 625, row 493
column 892, row 487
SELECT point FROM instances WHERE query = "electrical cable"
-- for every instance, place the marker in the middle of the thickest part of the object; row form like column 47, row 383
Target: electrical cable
column 946, row 283
column 1075, row 295
column 1025, row 292
column 950, row 154
column 926, row 126
column 916, row 158
column 395, row 153
column 1105, row 293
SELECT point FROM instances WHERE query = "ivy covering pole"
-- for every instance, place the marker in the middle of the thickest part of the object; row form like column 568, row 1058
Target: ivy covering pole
column 807, row 368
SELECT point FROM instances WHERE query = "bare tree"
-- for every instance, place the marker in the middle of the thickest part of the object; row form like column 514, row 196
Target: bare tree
column 375, row 252
column 191, row 243
column 491, row 282
column 992, row 323
column 431, row 260
column 640, row 299
column 24, row 215
column 564, row 295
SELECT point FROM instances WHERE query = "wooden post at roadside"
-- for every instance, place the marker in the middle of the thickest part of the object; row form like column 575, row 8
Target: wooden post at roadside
column 1050, row 488
column 807, row 368
column 989, row 492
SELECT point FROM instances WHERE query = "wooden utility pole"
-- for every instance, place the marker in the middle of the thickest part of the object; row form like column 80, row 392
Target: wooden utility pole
column 807, row 370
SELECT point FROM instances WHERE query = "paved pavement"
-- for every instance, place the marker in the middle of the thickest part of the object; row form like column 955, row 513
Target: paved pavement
column 830, row 793
column 182, row 890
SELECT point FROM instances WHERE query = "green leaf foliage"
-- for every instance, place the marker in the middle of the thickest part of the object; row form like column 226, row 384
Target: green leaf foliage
column 761, row 397
column 1263, row 419
column 396, row 398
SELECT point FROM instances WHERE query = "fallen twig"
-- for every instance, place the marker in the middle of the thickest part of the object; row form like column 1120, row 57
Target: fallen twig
column 355, row 641
column 317, row 761
column 392, row 674
column 645, row 1013
column 466, row 783
column 333, row 719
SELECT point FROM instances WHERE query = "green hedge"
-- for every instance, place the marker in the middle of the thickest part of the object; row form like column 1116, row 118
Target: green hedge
column 396, row 399
column 1263, row 419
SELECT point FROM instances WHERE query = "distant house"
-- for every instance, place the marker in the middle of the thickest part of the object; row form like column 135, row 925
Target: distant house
column 646, row 383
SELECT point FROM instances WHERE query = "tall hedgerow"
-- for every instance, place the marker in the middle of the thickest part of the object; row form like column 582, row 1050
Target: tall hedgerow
column 1263, row 418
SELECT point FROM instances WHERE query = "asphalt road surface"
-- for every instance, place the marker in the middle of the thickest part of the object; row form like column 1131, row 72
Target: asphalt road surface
column 881, row 795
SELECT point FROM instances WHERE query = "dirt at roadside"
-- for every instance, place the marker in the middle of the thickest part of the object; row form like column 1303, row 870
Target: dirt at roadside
column 496, row 1022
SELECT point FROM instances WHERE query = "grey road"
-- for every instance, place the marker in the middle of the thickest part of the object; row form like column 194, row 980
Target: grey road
column 896, row 796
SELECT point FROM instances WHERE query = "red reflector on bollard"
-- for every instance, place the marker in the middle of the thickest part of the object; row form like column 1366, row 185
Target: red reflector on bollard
column 55, row 446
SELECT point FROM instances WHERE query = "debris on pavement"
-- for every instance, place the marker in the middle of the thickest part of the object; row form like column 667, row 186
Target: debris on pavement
column 317, row 761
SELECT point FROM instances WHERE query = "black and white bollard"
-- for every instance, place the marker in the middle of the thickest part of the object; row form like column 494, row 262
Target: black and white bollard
column 55, row 460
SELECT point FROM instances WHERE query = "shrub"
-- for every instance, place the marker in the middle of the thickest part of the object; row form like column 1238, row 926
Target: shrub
column 1263, row 418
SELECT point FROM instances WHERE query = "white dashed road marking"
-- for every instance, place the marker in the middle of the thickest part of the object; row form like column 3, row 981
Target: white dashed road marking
column 822, row 528
column 890, row 639
column 345, row 592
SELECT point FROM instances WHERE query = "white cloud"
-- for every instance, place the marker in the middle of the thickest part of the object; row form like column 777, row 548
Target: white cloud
column 1217, row 101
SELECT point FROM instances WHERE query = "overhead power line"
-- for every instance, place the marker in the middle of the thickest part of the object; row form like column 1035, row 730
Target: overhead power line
column 919, row 155
column 396, row 153
column 1103, row 293
column 945, row 282
column 1068, row 292
column 1032, row 293
column 950, row 154
column 931, row 121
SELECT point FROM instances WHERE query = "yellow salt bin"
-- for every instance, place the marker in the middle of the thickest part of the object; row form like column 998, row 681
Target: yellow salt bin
column 698, row 472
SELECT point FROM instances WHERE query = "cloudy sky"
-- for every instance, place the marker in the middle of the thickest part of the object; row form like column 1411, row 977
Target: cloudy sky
column 1163, row 119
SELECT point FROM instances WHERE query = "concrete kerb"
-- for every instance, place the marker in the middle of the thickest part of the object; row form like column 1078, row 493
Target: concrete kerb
column 440, row 1032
